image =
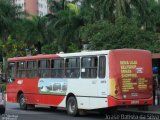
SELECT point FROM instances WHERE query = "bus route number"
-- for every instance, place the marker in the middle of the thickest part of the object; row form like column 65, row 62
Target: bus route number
column 135, row 102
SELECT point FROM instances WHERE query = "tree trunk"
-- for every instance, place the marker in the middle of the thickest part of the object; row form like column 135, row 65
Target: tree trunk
column 80, row 46
column 63, row 4
column 39, row 47
column 65, row 48
column 4, row 70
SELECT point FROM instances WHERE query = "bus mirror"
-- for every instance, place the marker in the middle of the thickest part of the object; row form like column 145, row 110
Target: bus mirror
column 2, row 78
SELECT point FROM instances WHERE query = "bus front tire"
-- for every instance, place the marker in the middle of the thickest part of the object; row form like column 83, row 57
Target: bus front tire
column 22, row 102
column 72, row 107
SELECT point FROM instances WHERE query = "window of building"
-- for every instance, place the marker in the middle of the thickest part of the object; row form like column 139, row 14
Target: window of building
column 32, row 69
column 102, row 67
column 72, row 67
column 57, row 68
column 21, row 69
column 44, row 68
column 89, row 67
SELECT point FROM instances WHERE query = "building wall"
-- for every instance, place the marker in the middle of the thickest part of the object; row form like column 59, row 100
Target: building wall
column 20, row 3
column 42, row 7
column 31, row 7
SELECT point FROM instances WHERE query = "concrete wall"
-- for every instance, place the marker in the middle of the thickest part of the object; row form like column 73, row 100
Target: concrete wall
column 31, row 7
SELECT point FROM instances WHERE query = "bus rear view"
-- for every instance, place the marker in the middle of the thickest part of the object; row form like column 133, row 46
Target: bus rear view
column 130, row 74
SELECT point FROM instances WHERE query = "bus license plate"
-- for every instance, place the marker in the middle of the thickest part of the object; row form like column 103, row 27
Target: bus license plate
column 135, row 102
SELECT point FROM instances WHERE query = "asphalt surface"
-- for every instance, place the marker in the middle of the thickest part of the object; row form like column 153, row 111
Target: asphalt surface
column 13, row 112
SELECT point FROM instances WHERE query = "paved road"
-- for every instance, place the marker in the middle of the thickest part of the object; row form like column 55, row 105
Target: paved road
column 43, row 113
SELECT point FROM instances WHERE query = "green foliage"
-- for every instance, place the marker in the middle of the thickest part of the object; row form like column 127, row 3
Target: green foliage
column 8, row 19
column 50, row 48
column 153, row 19
column 13, row 47
column 123, row 34
column 72, row 7
column 57, row 5
column 3, row 87
column 34, row 32
column 8, row 14
column 66, row 28
column 114, row 9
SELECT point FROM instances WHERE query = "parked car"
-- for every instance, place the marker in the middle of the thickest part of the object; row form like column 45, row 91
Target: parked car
column 2, row 102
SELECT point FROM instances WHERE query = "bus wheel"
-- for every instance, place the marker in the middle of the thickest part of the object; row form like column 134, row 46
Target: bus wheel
column 72, row 108
column 22, row 102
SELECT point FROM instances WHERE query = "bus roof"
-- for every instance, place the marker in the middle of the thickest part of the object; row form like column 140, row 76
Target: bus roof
column 59, row 55
column 40, row 56
column 50, row 56
column 84, row 53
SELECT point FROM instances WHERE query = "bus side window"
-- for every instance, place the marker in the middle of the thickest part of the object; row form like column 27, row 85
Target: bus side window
column 89, row 67
column 44, row 68
column 72, row 67
column 102, row 67
column 32, row 69
column 21, row 69
column 57, row 68
column 11, row 72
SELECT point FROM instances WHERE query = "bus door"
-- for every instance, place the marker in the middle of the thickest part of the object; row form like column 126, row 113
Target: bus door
column 102, row 76
column 11, row 70
column 89, row 68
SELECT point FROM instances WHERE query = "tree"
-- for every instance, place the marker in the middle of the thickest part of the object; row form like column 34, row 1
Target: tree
column 8, row 14
column 66, row 28
column 13, row 47
column 153, row 20
column 114, row 9
column 123, row 34
column 56, row 6
column 35, row 32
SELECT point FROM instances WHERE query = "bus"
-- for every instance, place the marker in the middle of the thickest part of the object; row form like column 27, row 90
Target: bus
column 86, row 80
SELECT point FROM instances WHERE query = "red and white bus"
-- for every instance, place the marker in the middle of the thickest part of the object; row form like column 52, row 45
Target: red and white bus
column 81, row 81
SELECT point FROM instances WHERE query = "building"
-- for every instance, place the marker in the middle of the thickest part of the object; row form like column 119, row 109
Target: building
column 43, row 8
column 33, row 7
